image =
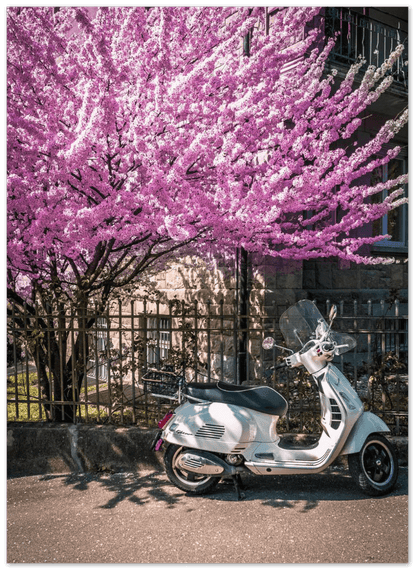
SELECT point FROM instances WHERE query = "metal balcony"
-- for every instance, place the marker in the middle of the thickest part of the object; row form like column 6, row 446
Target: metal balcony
column 362, row 36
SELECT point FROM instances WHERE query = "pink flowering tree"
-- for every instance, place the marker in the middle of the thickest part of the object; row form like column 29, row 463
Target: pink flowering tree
column 138, row 134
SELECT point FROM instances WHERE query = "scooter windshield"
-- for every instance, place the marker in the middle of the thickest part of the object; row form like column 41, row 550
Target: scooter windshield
column 303, row 322
column 298, row 324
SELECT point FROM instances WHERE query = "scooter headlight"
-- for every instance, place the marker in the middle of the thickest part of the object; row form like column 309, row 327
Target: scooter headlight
column 327, row 347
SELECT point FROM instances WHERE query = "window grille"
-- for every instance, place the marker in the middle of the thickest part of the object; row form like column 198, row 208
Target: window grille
column 98, row 361
column 159, row 339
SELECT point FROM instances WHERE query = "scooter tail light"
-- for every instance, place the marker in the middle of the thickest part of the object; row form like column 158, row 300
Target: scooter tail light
column 165, row 420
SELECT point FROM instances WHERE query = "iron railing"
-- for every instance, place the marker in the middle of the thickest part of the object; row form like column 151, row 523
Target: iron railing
column 361, row 36
column 201, row 342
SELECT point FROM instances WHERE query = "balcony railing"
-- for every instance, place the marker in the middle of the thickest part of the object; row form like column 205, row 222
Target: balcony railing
column 362, row 36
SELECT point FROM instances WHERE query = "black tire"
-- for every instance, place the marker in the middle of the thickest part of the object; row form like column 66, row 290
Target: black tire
column 194, row 484
column 375, row 467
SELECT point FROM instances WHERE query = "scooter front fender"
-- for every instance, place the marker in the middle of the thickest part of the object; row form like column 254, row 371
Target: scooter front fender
column 367, row 424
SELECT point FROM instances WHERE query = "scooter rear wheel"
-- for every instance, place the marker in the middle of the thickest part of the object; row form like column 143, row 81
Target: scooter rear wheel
column 194, row 484
column 375, row 468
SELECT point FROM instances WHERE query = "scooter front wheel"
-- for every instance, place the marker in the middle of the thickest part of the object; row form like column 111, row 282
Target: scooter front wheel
column 194, row 484
column 375, row 467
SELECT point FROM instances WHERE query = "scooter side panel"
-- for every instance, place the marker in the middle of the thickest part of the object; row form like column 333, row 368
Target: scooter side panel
column 215, row 427
column 367, row 424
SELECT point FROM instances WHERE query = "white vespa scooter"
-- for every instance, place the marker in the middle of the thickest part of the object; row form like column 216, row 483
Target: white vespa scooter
column 221, row 430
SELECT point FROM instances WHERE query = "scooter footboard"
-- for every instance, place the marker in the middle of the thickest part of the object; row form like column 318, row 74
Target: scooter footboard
column 367, row 424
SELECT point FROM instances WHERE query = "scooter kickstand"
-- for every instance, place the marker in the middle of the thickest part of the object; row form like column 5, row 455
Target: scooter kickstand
column 238, row 485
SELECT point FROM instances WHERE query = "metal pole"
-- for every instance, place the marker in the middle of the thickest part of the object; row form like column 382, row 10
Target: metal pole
column 242, row 292
column 243, row 304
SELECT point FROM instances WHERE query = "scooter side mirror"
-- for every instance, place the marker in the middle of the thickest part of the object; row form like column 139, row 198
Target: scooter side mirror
column 268, row 343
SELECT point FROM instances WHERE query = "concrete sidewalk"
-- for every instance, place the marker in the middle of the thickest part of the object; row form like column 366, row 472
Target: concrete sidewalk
column 49, row 448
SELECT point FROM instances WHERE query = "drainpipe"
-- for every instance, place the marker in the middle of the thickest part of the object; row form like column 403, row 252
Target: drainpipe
column 242, row 286
column 242, row 298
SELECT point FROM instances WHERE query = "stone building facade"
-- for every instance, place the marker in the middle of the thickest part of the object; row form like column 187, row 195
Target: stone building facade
column 373, row 33
column 269, row 285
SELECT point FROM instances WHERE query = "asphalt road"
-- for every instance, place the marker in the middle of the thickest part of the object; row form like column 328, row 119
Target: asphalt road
column 142, row 518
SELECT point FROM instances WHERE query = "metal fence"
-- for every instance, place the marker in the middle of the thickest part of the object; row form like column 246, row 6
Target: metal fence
column 92, row 368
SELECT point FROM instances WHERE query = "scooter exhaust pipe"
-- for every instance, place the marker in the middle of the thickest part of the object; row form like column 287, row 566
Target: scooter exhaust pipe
column 201, row 462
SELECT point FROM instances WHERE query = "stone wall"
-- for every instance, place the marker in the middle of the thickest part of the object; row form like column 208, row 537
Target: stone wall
column 275, row 284
column 328, row 280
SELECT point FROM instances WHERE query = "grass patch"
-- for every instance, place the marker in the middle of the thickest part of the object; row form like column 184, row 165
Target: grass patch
column 23, row 403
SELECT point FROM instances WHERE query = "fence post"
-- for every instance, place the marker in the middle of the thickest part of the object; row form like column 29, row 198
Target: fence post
column 209, row 341
column 196, row 335
column 370, row 321
column 242, row 298
column 146, row 400
column 133, row 368
column 397, row 326
column 222, row 338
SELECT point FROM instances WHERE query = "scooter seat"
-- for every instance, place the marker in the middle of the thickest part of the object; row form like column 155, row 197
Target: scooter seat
column 260, row 398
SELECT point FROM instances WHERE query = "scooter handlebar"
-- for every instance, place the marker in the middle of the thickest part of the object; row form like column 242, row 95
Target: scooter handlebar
column 269, row 371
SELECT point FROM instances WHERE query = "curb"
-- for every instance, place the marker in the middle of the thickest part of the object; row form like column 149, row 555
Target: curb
column 49, row 448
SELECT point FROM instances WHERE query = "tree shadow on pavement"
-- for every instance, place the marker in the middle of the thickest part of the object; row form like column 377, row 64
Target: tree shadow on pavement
column 304, row 492
column 132, row 487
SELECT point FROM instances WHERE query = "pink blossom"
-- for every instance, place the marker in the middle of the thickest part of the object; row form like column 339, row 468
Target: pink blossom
column 136, row 134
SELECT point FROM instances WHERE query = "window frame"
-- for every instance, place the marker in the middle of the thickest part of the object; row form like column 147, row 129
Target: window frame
column 400, row 246
column 159, row 339
column 97, row 367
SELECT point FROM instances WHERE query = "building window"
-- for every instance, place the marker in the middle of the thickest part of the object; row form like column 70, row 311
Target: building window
column 395, row 222
column 98, row 364
column 159, row 339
